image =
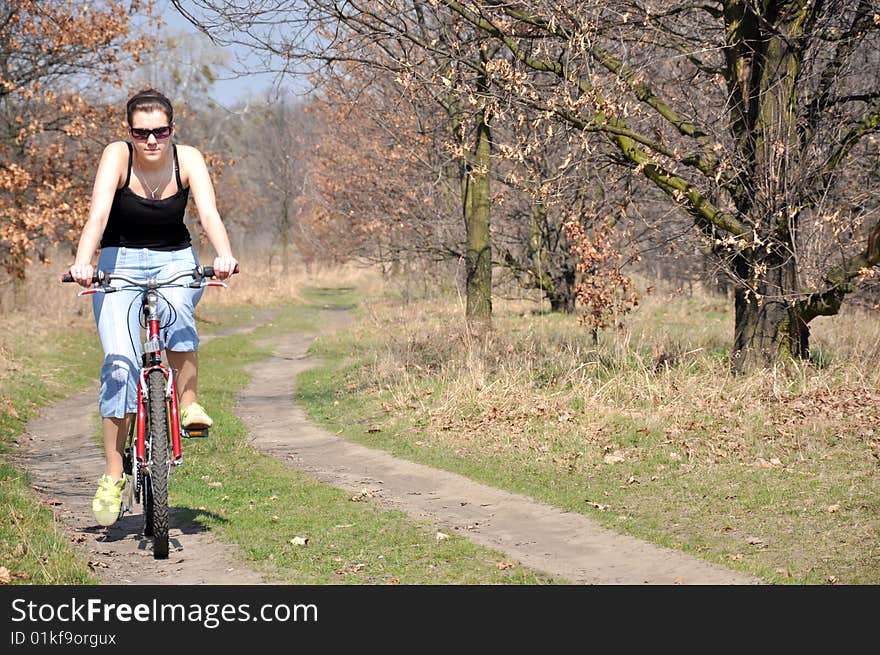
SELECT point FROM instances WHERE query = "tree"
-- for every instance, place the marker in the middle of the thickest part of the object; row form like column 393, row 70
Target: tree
column 392, row 38
column 757, row 119
column 54, row 56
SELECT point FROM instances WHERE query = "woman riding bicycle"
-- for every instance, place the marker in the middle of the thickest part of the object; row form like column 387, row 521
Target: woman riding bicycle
column 136, row 217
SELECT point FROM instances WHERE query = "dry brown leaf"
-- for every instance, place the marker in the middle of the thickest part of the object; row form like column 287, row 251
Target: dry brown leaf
column 833, row 508
column 833, row 579
column 5, row 575
column 736, row 557
column 363, row 494
column 374, row 428
column 504, row 565
column 300, row 541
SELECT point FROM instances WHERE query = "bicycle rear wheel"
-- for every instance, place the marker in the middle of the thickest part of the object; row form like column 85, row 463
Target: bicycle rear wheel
column 156, row 484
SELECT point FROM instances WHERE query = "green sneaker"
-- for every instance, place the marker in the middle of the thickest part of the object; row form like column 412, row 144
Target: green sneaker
column 107, row 502
column 194, row 417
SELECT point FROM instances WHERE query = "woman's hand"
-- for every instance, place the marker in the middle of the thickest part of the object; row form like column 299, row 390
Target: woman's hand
column 82, row 273
column 223, row 266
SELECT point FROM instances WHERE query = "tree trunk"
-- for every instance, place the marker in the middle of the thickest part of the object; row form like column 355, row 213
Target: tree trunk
column 284, row 227
column 478, row 258
column 769, row 328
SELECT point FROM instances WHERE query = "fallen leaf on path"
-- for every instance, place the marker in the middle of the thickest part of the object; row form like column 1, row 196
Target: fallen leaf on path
column 364, row 494
column 54, row 502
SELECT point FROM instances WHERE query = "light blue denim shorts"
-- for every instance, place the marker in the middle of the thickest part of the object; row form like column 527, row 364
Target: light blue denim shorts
column 118, row 316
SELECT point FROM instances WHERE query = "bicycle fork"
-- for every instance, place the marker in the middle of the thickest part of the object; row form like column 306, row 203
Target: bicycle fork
column 152, row 355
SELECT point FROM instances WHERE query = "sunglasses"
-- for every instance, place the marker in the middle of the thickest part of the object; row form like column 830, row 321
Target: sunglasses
column 142, row 134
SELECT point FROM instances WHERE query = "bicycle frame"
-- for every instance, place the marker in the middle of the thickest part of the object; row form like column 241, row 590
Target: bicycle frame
column 152, row 357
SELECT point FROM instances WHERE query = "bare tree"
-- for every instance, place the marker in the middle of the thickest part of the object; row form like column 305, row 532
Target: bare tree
column 754, row 118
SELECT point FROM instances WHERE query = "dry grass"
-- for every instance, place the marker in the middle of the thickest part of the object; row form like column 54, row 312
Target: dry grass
column 667, row 367
column 644, row 420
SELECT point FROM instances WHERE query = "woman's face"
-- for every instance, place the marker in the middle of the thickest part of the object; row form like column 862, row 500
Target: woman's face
column 148, row 135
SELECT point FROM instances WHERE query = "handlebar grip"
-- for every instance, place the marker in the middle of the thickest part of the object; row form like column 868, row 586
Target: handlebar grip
column 208, row 271
column 96, row 277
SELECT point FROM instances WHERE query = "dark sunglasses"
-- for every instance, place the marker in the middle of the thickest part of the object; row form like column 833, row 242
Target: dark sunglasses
column 142, row 134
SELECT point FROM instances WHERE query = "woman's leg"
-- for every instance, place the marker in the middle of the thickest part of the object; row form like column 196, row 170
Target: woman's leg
column 186, row 365
column 182, row 339
column 115, row 435
column 117, row 316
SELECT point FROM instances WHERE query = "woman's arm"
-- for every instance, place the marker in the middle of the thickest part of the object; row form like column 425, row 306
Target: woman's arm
column 193, row 164
column 114, row 161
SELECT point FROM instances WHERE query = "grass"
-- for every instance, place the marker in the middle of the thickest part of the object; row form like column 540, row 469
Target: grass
column 773, row 474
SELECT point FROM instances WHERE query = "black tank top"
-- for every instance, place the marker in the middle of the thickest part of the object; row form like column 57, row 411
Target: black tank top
column 138, row 222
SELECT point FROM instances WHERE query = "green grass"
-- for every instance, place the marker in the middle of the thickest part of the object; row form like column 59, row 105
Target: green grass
column 690, row 479
column 260, row 505
column 247, row 499
column 32, row 546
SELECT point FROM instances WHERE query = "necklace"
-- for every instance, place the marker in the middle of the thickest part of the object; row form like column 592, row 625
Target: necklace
column 147, row 186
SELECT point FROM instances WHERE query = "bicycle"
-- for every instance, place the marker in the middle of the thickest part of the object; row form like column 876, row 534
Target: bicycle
column 153, row 447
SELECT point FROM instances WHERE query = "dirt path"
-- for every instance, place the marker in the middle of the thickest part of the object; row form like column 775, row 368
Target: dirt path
column 59, row 451
column 561, row 543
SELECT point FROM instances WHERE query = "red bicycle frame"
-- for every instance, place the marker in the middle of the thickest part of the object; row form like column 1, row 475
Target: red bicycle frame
column 153, row 360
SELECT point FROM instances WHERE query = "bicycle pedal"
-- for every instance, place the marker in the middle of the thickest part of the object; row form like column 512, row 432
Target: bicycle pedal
column 195, row 433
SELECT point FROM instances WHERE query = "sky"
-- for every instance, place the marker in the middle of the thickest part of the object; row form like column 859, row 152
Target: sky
column 228, row 89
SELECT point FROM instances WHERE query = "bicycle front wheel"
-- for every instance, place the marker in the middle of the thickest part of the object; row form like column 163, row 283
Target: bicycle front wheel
column 157, row 487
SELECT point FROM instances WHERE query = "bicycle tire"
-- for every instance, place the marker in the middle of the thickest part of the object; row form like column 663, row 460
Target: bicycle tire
column 158, row 485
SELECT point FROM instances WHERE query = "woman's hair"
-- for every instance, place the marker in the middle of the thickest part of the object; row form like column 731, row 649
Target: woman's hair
column 149, row 100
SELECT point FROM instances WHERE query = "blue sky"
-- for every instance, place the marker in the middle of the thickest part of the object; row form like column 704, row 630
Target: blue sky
column 228, row 88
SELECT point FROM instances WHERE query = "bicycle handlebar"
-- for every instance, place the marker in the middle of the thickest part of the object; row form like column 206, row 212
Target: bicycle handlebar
column 100, row 277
